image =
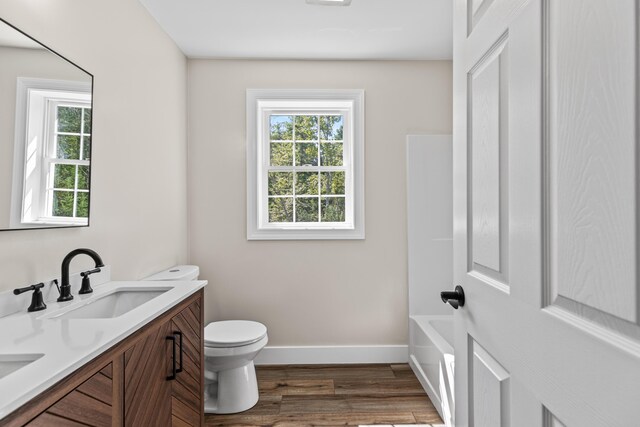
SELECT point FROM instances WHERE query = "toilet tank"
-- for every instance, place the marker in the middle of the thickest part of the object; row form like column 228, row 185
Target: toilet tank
column 179, row 272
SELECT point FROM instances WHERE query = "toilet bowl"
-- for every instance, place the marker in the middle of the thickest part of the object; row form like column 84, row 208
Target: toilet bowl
column 230, row 377
column 230, row 346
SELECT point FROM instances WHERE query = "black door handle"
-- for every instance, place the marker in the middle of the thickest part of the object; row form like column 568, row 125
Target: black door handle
column 454, row 298
column 173, row 358
column 179, row 334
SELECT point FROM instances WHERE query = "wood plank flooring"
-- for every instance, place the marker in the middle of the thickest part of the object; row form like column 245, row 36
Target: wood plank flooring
column 335, row 395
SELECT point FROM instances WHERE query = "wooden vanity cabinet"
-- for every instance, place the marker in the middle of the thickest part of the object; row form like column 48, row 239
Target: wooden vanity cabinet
column 147, row 391
column 187, row 406
column 137, row 382
column 162, row 373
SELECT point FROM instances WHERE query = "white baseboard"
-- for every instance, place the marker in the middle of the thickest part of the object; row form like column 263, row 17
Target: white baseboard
column 320, row 355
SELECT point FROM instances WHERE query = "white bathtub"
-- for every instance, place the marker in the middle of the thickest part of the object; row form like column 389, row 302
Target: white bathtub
column 432, row 359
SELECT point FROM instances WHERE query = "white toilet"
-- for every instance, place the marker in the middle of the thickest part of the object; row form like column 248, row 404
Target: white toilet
column 229, row 349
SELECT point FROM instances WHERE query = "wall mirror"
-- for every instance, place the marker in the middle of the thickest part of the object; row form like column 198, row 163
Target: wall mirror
column 45, row 136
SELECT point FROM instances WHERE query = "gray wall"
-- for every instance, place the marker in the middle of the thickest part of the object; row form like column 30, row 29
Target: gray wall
column 362, row 297
column 138, row 209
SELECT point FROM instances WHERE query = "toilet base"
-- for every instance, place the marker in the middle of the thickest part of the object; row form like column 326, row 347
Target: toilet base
column 231, row 391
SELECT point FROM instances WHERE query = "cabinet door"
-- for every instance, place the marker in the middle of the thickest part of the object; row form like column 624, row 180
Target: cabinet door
column 186, row 392
column 147, row 389
column 89, row 404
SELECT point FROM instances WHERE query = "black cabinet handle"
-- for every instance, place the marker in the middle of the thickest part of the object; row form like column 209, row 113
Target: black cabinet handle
column 454, row 298
column 173, row 358
column 179, row 334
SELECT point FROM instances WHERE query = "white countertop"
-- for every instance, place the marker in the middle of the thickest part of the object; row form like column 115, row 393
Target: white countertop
column 67, row 344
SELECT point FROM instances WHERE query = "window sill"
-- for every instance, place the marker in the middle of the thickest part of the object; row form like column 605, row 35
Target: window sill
column 305, row 234
column 56, row 221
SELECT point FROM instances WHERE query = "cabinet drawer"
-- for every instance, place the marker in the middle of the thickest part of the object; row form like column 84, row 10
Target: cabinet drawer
column 89, row 404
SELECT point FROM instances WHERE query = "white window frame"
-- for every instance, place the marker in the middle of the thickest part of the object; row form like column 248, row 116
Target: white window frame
column 32, row 151
column 261, row 103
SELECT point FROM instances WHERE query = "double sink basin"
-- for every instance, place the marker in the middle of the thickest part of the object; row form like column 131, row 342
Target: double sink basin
column 39, row 349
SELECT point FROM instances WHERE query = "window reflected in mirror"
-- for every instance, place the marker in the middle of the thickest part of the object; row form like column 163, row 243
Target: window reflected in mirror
column 45, row 136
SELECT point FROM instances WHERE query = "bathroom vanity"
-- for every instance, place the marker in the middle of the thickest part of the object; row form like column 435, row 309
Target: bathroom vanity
column 130, row 354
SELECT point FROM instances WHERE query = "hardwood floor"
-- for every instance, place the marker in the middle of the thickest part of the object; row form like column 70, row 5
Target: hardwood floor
column 335, row 395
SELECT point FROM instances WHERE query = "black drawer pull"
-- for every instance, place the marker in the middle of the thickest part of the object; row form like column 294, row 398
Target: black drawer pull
column 173, row 358
column 179, row 334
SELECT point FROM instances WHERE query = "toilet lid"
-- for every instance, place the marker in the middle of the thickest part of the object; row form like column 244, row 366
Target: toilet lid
column 233, row 333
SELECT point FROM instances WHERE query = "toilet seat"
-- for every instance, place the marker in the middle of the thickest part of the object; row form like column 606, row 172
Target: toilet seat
column 233, row 333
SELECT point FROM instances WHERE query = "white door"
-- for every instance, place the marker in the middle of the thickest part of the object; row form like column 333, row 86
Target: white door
column 546, row 177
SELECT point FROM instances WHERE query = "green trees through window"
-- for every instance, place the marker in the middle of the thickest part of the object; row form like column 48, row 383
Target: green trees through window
column 69, row 191
column 306, row 178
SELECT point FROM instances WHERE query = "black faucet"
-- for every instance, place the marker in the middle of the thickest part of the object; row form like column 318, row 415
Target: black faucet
column 65, row 286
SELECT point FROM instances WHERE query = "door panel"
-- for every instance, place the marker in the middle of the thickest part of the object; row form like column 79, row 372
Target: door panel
column 550, row 420
column 592, row 153
column 489, row 385
column 488, row 156
column 545, row 211
column 477, row 9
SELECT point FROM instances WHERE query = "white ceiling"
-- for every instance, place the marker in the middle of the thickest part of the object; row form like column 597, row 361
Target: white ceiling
column 292, row 29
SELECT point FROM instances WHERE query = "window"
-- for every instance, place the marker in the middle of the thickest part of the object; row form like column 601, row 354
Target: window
column 305, row 164
column 66, row 162
column 52, row 153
